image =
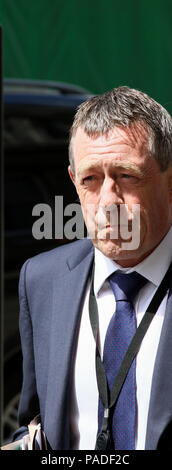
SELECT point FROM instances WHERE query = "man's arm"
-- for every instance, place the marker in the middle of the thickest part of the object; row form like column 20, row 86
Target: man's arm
column 29, row 403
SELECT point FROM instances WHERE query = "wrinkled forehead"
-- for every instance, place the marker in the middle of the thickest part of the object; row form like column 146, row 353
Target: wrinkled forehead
column 135, row 136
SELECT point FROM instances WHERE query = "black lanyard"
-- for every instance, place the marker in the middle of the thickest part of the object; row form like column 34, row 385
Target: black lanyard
column 109, row 398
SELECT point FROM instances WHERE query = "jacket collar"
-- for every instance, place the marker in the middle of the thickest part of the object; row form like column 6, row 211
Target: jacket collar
column 68, row 297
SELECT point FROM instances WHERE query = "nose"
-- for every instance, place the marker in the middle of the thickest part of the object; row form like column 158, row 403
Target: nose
column 110, row 193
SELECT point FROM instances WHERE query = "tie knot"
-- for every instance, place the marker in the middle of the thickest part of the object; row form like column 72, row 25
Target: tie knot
column 126, row 286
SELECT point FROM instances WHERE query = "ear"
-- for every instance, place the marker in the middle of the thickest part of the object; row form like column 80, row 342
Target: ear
column 71, row 174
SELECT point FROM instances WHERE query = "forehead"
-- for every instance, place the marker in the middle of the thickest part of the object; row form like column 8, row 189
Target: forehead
column 118, row 143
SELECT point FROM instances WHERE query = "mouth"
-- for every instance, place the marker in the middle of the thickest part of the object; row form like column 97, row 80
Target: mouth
column 119, row 232
column 113, row 227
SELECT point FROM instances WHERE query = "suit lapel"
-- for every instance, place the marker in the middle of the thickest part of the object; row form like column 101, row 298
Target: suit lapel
column 160, row 408
column 67, row 307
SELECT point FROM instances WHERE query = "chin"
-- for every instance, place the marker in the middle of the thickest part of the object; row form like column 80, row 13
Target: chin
column 115, row 251
column 112, row 249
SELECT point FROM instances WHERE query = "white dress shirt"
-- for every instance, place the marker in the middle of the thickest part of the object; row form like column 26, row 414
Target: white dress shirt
column 84, row 409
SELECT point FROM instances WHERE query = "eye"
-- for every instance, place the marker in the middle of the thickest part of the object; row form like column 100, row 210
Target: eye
column 126, row 176
column 88, row 179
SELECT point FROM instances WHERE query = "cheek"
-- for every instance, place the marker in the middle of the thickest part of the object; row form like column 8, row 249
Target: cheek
column 86, row 198
column 88, row 206
column 154, row 215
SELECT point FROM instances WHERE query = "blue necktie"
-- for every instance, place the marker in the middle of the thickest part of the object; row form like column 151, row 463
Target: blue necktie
column 119, row 334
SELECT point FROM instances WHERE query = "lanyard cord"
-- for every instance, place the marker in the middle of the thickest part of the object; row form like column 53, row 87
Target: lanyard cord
column 108, row 397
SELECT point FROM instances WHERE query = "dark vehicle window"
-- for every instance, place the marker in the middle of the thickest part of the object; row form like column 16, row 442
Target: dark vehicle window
column 22, row 193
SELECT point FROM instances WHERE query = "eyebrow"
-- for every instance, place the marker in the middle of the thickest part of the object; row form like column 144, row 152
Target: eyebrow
column 123, row 165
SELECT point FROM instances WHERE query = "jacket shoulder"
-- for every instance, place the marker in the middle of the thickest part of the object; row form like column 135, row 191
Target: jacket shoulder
column 50, row 262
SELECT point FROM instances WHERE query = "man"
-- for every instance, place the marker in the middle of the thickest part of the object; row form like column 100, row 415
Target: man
column 120, row 156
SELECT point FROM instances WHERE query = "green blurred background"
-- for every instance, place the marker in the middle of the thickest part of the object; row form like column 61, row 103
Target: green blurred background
column 93, row 43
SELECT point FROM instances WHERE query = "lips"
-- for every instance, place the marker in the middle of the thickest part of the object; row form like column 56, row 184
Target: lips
column 113, row 227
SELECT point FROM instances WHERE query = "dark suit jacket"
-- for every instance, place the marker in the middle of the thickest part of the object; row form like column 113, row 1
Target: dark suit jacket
column 51, row 291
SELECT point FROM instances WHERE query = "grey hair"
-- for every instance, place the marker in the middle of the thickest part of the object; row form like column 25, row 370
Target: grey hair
column 123, row 107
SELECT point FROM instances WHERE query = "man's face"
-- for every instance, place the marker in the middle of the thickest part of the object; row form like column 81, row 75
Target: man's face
column 117, row 169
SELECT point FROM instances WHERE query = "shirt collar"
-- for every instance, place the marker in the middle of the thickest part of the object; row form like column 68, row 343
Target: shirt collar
column 153, row 267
